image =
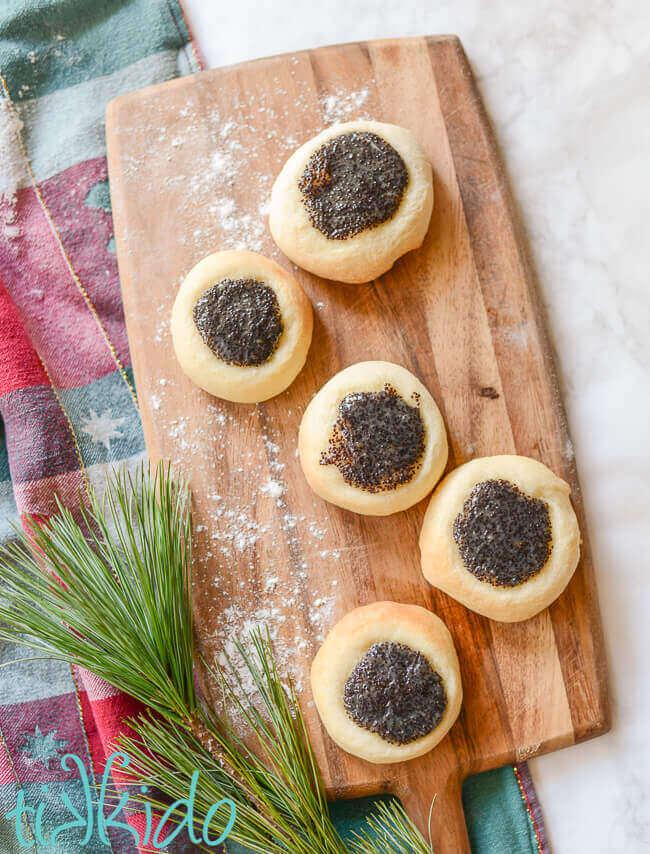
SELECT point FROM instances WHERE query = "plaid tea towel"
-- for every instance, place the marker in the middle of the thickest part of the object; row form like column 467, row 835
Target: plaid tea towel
column 68, row 406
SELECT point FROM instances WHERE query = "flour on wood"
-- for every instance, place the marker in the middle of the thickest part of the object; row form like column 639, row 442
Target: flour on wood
column 223, row 193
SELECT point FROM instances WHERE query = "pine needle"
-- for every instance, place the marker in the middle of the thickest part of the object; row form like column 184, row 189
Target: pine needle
column 275, row 783
column 109, row 591
column 390, row 831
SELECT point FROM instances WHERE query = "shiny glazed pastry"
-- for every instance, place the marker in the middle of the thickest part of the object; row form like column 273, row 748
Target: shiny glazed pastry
column 352, row 200
column 500, row 536
column 241, row 326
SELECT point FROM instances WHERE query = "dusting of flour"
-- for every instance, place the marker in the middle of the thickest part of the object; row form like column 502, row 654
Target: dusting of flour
column 266, row 554
column 343, row 105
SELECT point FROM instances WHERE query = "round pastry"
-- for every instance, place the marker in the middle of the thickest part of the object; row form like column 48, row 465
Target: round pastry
column 386, row 682
column 352, row 200
column 373, row 440
column 241, row 326
column 500, row 536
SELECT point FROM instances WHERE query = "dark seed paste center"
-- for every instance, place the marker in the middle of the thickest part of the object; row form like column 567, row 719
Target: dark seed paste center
column 395, row 692
column 352, row 182
column 239, row 320
column 504, row 536
column 378, row 440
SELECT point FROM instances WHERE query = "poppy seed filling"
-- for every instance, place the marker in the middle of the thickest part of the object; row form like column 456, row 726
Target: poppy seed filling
column 378, row 440
column 352, row 182
column 239, row 320
column 395, row 692
column 503, row 535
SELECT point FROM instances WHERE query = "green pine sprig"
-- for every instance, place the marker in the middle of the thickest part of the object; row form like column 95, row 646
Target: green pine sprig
column 274, row 780
column 390, row 831
column 109, row 590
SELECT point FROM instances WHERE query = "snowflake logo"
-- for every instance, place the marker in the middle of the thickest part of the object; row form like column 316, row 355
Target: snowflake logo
column 42, row 747
column 102, row 428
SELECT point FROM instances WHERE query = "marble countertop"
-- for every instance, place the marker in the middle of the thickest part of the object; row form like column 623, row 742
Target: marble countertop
column 566, row 86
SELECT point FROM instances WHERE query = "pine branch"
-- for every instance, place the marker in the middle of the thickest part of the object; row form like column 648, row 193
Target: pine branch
column 390, row 831
column 276, row 785
column 110, row 592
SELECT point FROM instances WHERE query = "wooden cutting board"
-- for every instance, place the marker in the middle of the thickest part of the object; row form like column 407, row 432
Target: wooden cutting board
column 191, row 166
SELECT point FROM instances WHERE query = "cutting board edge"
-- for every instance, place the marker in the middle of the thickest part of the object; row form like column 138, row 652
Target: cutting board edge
column 125, row 98
column 600, row 722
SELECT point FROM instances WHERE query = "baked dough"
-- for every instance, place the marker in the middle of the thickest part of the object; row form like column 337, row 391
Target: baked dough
column 363, row 256
column 347, row 644
column 318, row 426
column 242, row 383
column 443, row 564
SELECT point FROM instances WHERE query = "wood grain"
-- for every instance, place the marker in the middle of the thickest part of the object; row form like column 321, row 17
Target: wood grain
column 189, row 162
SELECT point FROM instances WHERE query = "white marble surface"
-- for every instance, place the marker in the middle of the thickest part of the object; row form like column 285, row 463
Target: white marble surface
column 567, row 85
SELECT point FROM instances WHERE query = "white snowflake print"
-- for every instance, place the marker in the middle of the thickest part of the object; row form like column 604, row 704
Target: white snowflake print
column 102, row 428
column 43, row 747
